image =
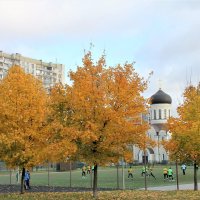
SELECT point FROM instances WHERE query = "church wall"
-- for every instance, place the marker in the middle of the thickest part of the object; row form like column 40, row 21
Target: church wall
column 156, row 154
column 159, row 113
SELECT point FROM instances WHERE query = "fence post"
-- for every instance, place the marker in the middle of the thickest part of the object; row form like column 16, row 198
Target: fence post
column 48, row 172
column 117, row 175
column 123, row 179
column 10, row 177
column 70, row 174
column 177, row 178
column 91, row 178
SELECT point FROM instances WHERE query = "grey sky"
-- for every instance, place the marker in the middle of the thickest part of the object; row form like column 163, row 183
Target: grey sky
column 160, row 35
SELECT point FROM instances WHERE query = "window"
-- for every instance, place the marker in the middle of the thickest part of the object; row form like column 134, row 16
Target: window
column 49, row 68
column 160, row 117
column 157, row 134
column 154, row 114
column 163, row 156
column 165, row 114
column 169, row 113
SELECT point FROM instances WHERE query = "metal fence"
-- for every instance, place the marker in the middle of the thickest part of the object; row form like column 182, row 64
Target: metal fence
column 115, row 177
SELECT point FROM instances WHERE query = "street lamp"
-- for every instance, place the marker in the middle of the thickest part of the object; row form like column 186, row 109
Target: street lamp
column 158, row 135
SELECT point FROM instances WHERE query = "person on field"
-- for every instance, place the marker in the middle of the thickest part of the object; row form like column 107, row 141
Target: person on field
column 83, row 171
column 130, row 172
column 170, row 174
column 17, row 176
column 88, row 169
column 143, row 171
column 165, row 173
column 183, row 167
column 150, row 172
column 27, row 180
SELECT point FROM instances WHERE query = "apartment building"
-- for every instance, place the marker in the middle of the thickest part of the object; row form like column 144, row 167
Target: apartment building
column 48, row 73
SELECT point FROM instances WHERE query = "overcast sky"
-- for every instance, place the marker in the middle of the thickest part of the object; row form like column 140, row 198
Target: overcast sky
column 159, row 35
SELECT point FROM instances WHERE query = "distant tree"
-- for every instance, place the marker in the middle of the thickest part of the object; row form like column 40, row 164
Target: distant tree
column 23, row 110
column 106, row 104
column 185, row 142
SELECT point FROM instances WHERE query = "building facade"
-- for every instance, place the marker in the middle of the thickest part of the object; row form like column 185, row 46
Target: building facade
column 48, row 73
column 159, row 113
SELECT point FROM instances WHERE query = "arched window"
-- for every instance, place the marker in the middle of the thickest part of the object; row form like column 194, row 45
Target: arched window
column 154, row 114
column 160, row 116
column 165, row 114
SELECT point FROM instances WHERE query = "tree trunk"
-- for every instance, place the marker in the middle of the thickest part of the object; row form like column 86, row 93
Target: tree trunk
column 91, row 179
column 145, row 167
column 177, row 178
column 95, row 182
column 195, row 176
column 22, row 180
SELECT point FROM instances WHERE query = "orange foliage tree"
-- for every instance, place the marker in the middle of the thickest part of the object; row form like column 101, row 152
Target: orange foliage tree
column 105, row 103
column 185, row 142
column 59, row 132
column 23, row 110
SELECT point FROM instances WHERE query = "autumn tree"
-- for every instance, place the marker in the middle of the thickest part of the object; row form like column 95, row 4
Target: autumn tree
column 59, row 132
column 106, row 102
column 23, row 109
column 185, row 142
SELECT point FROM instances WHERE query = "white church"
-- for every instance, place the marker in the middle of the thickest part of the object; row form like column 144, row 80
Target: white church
column 159, row 112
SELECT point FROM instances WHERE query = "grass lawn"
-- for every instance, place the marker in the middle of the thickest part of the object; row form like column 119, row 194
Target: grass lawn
column 118, row 195
column 107, row 178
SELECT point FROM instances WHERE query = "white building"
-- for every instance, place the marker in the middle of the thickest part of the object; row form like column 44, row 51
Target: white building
column 159, row 112
column 48, row 73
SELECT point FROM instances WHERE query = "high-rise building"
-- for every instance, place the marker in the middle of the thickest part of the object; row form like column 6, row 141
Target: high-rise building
column 48, row 73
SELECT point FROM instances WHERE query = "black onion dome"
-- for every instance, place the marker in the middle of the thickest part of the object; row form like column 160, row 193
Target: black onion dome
column 160, row 97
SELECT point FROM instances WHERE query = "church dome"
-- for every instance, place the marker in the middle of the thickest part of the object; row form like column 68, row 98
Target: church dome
column 160, row 97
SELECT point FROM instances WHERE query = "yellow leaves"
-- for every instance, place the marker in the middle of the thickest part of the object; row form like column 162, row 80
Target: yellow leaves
column 105, row 195
column 90, row 116
column 186, row 128
column 88, row 136
column 128, row 156
column 58, row 131
column 23, row 110
column 102, row 99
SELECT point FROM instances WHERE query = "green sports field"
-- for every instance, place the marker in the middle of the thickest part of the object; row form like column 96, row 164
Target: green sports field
column 107, row 178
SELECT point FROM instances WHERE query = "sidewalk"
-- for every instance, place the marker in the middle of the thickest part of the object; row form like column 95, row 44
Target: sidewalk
column 173, row 187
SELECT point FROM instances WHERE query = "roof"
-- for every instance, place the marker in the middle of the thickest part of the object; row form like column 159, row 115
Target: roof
column 160, row 97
